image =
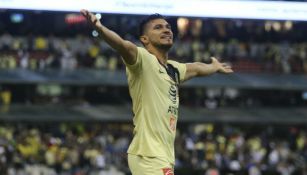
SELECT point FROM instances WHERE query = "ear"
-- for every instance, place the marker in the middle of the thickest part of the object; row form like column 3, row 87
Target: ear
column 144, row 39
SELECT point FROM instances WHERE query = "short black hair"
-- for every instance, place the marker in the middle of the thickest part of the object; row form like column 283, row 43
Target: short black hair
column 146, row 20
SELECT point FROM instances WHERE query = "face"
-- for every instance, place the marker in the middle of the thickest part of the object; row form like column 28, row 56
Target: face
column 159, row 34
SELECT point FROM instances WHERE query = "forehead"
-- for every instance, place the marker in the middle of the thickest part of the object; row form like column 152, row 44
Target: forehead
column 158, row 21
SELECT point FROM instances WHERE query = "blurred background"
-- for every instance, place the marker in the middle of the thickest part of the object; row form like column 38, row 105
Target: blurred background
column 65, row 107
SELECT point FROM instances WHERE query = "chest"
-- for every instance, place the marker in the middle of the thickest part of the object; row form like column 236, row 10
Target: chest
column 165, row 82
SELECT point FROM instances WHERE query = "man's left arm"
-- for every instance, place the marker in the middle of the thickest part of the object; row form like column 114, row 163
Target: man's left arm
column 198, row 69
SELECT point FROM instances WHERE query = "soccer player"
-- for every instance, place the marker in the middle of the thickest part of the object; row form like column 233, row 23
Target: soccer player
column 153, row 82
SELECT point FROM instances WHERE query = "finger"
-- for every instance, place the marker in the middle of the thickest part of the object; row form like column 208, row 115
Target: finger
column 89, row 16
column 228, row 70
column 224, row 64
column 84, row 12
column 92, row 18
column 227, row 66
column 214, row 59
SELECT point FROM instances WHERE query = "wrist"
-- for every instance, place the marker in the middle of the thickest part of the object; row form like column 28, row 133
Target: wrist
column 216, row 68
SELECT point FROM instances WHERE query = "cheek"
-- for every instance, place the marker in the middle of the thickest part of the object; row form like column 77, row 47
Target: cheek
column 154, row 38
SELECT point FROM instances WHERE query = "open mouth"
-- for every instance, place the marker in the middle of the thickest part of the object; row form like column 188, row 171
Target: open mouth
column 167, row 37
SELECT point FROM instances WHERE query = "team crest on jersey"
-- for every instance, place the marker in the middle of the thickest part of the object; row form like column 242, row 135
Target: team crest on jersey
column 172, row 123
column 167, row 171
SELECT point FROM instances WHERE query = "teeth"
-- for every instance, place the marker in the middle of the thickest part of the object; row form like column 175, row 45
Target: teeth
column 168, row 37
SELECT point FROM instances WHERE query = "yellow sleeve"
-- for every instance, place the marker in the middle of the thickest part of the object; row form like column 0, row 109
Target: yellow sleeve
column 137, row 66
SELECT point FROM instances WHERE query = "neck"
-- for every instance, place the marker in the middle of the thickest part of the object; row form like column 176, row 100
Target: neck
column 161, row 54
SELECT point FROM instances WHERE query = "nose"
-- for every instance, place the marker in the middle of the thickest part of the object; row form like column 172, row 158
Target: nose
column 167, row 31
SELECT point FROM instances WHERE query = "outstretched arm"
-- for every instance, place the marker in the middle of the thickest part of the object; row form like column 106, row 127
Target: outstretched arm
column 125, row 48
column 198, row 69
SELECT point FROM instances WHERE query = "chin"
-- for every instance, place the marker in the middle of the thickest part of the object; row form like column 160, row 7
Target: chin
column 166, row 46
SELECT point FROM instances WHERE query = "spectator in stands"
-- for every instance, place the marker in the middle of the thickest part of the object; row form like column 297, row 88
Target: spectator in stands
column 6, row 41
column 264, row 52
column 5, row 99
column 56, row 138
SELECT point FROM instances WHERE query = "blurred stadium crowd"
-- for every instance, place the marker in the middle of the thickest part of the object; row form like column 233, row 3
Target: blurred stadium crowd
column 76, row 148
column 63, row 149
column 251, row 46
column 85, row 148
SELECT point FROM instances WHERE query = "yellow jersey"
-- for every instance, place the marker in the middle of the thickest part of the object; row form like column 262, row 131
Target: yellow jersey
column 154, row 92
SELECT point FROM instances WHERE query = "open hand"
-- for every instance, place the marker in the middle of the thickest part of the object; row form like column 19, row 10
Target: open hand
column 90, row 17
column 221, row 67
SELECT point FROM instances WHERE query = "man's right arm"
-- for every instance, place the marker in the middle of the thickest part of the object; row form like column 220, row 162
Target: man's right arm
column 125, row 48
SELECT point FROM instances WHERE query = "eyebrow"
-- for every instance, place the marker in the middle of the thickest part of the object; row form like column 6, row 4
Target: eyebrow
column 167, row 25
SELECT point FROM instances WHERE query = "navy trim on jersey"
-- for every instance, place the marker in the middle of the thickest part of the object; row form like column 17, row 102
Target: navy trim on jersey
column 173, row 73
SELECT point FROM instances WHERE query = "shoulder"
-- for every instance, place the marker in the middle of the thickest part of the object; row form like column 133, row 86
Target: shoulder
column 142, row 50
column 143, row 53
column 180, row 67
column 173, row 62
column 176, row 64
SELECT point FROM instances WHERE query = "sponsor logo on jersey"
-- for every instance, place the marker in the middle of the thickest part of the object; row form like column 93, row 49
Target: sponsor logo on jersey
column 172, row 110
column 173, row 92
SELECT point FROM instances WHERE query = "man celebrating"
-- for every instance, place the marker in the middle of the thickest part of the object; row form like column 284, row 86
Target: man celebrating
column 153, row 82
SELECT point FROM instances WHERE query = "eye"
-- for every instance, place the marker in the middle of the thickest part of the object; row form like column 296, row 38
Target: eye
column 157, row 27
column 168, row 26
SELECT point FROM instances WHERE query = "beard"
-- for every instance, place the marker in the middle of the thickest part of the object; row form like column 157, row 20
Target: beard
column 165, row 47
